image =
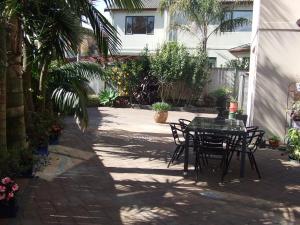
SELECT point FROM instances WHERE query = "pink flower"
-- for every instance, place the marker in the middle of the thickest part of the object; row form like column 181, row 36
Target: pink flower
column 2, row 196
column 15, row 187
column 2, row 188
column 6, row 180
column 10, row 195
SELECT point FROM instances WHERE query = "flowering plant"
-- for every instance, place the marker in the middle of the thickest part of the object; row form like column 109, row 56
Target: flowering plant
column 8, row 189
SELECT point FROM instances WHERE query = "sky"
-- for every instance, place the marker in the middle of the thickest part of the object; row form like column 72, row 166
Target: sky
column 100, row 5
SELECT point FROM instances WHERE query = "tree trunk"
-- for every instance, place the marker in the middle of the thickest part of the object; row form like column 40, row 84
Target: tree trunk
column 27, row 76
column 42, row 86
column 3, row 64
column 16, row 136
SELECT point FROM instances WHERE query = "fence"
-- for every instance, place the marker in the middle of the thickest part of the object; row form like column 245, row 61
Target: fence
column 236, row 80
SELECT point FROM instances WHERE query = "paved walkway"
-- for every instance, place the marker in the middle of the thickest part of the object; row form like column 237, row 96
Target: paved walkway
column 115, row 174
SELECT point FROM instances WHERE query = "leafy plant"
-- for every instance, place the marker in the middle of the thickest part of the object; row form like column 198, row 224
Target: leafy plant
column 233, row 99
column 108, row 97
column 8, row 189
column 67, row 86
column 161, row 107
column 242, row 64
column 274, row 138
column 295, row 111
column 221, row 96
column 294, row 143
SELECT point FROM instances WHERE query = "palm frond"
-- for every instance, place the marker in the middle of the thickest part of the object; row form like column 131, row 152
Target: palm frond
column 78, row 70
column 68, row 87
column 125, row 4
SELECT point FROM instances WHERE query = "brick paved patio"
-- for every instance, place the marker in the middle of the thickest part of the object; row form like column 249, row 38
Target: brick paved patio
column 115, row 173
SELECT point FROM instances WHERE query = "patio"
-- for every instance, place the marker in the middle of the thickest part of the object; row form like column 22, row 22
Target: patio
column 116, row 173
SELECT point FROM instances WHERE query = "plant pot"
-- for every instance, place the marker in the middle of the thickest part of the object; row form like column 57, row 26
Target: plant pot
column 232, row 116
column 233, row 107
column 8, row 209
column 293, row 160
column 161, row 117
column 273, row 143
column 43, row 150
column 54, row 139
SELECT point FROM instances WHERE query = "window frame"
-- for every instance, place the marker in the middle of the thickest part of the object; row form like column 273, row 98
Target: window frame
column 231, row 17
column 212, row 59
column 132, row 33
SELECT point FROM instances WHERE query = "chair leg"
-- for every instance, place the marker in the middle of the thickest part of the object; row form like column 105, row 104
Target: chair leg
column 198, row 167
column 181, row 149
column 174, row 155
column 251, row 161
column 255, row 164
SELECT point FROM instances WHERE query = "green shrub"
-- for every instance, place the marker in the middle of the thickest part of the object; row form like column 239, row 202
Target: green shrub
column 93, row 101
column 294, row 143
column 16, row 162
column 108, row 97
column 161, row 107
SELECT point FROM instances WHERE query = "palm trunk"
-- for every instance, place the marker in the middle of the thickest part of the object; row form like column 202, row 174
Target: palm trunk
column 16, row 136
column 27, row 68
column 3, row 64
column 42, row 86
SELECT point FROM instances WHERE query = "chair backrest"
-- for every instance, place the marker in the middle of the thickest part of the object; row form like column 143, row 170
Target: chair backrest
column 255, row 138
column 176, row 132
column 184, row 123
column 211, row 139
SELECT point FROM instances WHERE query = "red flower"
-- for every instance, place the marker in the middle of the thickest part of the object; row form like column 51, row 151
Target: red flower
column 2, row 188
column 2, row 197
column 10, row 196
column 6, row 180
column 15, row 187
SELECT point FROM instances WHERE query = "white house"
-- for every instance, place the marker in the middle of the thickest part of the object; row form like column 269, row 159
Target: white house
column 149, row 27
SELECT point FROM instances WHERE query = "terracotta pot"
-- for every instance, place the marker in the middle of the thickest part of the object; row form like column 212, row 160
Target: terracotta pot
column 273, row 143
column 161, row 117
column 233, row 107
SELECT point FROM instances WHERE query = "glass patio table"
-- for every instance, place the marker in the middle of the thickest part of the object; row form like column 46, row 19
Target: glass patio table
column 229, row 126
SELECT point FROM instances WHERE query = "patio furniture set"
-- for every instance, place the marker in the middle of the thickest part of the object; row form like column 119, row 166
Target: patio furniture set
column 211, row 138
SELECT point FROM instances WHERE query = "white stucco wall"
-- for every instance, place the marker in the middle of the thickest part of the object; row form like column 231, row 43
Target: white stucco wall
column 134, row 44
column 275, row 62
column 218, row 44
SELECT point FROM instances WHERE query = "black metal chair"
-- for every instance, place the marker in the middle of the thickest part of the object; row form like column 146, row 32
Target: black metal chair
column 209, row 145
column 254, row 139
column 184, row 123
column 179, row 140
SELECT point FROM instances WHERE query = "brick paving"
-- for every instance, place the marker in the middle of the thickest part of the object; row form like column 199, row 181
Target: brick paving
column 115, row 173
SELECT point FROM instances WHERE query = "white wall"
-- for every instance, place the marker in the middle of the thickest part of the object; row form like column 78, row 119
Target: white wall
column 275, row 55
column 133, row 44
column 218, row 44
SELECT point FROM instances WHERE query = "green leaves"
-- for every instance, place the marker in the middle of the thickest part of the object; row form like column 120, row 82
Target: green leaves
column 108, row 97
column 161, row 107
column 68, row 88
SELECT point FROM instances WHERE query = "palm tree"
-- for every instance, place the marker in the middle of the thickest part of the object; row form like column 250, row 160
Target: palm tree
column 3, row 61
column 67, row 86
column 202, row 13
column 18, row 14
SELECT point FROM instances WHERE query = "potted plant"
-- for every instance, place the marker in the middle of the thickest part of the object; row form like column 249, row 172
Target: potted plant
column 294, row 144
column 221, row 96
column 274, row 141
column 161, row 111
column 8, row 190
column 54, row 133
column 233, row 105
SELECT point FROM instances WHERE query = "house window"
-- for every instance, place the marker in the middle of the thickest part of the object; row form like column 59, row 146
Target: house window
column 212, row 61
column 139, row 25
column 246, row 14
